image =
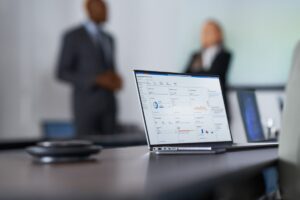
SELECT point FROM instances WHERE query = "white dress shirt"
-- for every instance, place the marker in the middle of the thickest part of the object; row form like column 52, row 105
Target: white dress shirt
column 208, row 55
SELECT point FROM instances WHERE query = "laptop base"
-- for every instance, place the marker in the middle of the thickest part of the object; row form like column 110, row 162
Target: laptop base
column 249, row 146
column 210, row 150
column 188, row 152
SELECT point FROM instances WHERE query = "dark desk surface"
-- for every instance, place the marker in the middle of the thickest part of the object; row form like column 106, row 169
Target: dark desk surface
column 127, row 173
column 119, row 140
column 113, row 140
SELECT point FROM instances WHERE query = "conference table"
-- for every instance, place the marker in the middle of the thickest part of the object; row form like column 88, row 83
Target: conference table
column 128, row 173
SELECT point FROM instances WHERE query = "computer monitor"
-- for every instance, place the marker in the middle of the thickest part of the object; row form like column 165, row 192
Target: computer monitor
column 182, row 108
column 250, row 115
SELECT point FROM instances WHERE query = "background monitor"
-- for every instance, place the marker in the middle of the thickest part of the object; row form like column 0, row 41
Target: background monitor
column 250, row 115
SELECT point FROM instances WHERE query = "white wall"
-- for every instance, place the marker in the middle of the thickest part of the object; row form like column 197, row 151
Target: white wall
column 29, row 37
column 150, row 34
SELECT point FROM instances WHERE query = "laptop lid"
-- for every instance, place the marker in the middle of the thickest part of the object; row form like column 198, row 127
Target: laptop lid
column 182, row 109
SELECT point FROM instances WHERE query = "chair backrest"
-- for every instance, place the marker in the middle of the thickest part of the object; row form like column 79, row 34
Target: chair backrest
column 58, row 129
column 289, row 142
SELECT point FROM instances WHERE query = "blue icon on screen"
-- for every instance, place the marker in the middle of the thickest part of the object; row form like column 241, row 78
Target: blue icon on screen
column 155, row 105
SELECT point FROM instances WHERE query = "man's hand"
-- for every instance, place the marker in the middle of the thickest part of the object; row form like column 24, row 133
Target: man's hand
column 109, row 80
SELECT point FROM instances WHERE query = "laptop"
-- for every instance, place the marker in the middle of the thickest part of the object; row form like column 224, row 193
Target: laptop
column 252, row 119
column 185, row 114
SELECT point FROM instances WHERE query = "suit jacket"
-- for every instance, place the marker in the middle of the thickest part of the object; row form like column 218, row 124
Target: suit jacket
column 219, row 66
column 79, row 64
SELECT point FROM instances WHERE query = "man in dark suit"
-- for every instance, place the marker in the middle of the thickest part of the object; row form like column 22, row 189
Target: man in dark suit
column 87, row 63
column 213, row 58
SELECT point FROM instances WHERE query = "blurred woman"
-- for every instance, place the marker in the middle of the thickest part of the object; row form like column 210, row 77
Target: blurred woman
column 213, row 58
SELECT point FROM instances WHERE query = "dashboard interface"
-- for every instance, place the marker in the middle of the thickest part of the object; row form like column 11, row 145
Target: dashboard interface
column 180, row 108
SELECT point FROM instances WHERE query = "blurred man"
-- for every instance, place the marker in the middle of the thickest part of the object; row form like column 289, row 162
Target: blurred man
column 87, row 63
column 212, row 58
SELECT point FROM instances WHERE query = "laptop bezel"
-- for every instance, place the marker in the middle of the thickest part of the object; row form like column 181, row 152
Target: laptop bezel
column 204, row 144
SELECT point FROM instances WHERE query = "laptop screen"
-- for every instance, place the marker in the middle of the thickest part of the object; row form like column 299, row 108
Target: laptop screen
column 181, row 109
column 250, row 114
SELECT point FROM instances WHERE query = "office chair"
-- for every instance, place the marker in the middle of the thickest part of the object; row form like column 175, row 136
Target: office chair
column 58, row 130
column 289, row 143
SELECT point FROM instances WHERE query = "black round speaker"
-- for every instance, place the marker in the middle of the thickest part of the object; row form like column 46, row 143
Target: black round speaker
column 63, row 151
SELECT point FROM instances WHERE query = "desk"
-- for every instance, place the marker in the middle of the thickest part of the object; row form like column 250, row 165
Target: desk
column 124, row 173
column 113, row 140
column 119, row 140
